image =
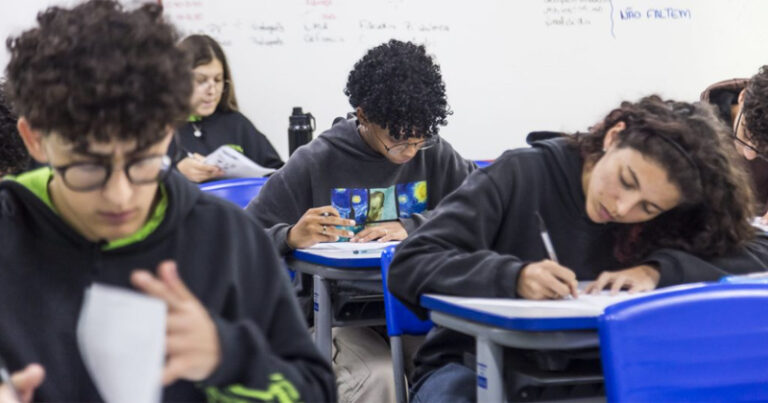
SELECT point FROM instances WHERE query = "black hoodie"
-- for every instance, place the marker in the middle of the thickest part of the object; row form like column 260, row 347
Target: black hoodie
column 223, row 256
column 484, row 233
column 339, row 168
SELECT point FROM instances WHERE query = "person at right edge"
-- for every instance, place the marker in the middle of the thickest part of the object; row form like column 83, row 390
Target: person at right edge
column 743, row 105
column 650, row 197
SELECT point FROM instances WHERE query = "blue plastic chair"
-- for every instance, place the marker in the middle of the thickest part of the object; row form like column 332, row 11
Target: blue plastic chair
column 483, row 163
column 707, row 343
column 400, row 321
column 239, row 191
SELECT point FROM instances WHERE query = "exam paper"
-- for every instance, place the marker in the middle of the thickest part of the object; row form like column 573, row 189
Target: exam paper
column 121, row 336
column 349, row 250
column 350, row 246
column 235, row 164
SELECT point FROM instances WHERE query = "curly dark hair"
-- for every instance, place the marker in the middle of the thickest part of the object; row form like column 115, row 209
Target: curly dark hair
column 755, row 109
column 98, row 73
column 714, row 216
column 203, row 49
column 400, row 88
column 13, row 155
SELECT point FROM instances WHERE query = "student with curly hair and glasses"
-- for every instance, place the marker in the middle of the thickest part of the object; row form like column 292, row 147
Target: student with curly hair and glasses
column 215, row 119
column 650, row 197
column 743, row 105
column 98, row 91
column 374, row 176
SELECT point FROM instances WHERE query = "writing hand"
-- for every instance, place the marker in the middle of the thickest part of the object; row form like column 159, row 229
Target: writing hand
column 25, row 382
column 192, row 344
column 318, row 225
column 546, row 280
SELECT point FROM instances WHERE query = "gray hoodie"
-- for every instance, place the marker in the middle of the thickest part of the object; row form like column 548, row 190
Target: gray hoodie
column 339, row 168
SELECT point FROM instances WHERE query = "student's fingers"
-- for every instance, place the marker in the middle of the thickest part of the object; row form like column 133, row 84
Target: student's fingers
column 588, row 289
column 176, row 324
column 150, row 285
column 567, row 276
column 323, row 211
column 170, row 275
column 369, row 234
column 333, row 232
column 173, row 370
column 602, row 280
column 198, row 157
column 25, row 382
column 636, row 287
column 617, row 283
column 537, row 282
column 555, row 288
column 176, row 344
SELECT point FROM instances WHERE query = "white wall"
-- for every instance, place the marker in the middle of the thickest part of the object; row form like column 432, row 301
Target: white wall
column 510, row 66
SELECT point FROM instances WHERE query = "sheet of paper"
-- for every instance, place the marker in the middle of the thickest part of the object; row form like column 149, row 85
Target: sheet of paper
column 121, row 336
column 758, row 223
column 235, row 164
column 349, row 250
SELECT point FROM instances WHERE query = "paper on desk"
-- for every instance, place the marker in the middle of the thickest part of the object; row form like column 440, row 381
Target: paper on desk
column 121, row 336
column 584, row 306
column 350, row 246
column 235, row 164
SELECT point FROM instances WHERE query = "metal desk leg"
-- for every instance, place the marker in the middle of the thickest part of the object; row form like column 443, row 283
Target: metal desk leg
column 490, row 364
column 322, row 307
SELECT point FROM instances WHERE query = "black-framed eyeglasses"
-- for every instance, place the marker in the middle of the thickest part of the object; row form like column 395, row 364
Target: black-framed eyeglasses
column 743, row 143
column 88, row 176
column 401, row 147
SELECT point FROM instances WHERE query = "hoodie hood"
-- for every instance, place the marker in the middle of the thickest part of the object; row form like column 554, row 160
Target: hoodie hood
column 566, row 166
column 724, row 94
column 181, row 197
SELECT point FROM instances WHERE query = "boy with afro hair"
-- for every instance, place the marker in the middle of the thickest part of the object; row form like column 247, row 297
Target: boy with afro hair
column 374, row 176
column 98, row 91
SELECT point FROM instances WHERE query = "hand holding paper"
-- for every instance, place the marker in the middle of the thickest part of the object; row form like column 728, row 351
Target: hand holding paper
column 192, row 342
column 234, row 164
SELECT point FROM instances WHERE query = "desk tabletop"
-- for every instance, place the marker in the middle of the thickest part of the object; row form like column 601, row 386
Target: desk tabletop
column 344, row 254
column 527, row 315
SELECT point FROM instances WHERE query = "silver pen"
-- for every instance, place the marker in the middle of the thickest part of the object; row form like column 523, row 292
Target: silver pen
column 545, row 238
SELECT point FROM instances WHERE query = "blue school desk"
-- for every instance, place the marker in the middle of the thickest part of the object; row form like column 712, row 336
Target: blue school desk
column 694, row 342
column 325, row 269
column 493, row 331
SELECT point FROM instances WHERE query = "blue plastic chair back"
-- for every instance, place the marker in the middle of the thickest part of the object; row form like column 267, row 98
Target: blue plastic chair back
column 239, row 191
column 695, row 344
column 483, row 163
column 400, row 320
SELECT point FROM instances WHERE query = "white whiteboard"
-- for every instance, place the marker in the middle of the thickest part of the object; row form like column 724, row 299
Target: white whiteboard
column 510, row 66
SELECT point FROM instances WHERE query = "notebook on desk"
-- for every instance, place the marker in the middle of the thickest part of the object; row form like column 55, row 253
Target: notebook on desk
column 349, row 250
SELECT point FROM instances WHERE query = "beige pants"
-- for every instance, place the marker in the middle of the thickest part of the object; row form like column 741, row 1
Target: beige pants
column 363, row 365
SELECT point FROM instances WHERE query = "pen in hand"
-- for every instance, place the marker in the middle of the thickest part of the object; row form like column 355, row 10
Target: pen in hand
column 5, row 377
column 545, row 238
column 551, row 253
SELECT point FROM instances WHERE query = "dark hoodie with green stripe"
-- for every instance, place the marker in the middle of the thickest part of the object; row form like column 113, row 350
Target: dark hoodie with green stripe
column 224, row 257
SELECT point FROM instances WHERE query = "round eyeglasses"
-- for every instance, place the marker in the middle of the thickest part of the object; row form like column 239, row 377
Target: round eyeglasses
column 420, row 145
column 88, row 176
